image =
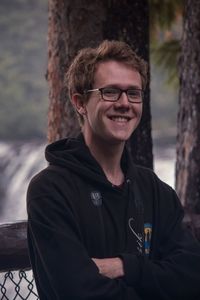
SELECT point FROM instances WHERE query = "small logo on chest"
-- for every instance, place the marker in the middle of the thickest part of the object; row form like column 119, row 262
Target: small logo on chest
column 147, row 237
column 139, row 238
column 96, row 198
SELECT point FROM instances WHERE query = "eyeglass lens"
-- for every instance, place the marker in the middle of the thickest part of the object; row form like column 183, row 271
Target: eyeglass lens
column 113, row 94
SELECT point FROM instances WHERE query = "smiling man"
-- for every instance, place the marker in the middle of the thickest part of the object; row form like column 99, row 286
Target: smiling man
column 100, row 227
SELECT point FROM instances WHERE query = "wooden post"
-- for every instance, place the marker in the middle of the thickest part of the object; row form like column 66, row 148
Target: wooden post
column 13, row 247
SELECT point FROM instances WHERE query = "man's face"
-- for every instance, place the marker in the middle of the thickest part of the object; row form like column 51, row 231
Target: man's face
column 112, row 122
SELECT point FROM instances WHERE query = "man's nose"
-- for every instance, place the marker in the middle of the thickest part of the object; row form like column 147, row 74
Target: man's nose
column 123, row 100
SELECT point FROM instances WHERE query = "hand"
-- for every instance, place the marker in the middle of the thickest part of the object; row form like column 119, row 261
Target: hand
column 110, row 267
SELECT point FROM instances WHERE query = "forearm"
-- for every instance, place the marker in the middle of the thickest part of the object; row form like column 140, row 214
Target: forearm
column 110, row 267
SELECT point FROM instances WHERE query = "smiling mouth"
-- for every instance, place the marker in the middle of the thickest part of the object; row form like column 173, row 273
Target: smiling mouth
column 121, row 119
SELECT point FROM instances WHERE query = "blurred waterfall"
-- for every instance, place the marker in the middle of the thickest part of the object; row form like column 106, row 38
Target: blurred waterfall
column 164, row 163
column 18, row 163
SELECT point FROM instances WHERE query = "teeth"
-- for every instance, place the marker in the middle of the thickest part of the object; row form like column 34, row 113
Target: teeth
column 120, row 119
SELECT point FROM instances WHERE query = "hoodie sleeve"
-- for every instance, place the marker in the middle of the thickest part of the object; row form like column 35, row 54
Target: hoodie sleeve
column 61, row 265
column 173, row 271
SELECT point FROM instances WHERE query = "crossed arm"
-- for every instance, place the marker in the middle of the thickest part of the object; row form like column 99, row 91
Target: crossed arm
column 110, row 267
column 50, row 235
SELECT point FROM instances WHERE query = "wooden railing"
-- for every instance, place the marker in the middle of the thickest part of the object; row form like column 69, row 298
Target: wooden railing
column 13, row 247
column 16, row 278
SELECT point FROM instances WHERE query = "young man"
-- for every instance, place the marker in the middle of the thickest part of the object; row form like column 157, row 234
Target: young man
column 100, row 227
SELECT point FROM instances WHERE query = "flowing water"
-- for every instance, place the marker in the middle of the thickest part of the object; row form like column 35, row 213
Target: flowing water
column 18, row 163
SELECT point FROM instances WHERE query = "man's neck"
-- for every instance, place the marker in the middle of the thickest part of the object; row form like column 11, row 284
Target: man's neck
column 109, row 157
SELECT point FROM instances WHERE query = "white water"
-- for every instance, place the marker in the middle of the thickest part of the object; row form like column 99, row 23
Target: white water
column 18, row 164
column 164, row 163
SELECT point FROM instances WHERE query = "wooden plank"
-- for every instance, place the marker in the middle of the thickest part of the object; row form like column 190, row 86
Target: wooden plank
column 13, row 246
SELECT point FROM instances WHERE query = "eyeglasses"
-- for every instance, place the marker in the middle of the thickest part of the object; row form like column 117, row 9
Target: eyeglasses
column 113, row 94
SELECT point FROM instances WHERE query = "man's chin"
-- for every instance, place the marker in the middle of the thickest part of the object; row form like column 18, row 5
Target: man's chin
column 119, row 139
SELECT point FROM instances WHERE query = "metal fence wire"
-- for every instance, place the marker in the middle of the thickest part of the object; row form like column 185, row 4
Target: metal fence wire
column 17, row 285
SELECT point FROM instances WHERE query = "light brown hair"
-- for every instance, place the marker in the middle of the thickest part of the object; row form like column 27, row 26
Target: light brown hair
column 81, row 73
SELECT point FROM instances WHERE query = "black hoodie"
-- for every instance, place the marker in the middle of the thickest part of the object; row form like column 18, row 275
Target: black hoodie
column 75, row 213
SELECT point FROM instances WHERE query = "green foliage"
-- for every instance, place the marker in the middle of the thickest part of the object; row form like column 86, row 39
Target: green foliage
column 23, row 57
column 163, row 13
column 166, row 56
column 165, row 31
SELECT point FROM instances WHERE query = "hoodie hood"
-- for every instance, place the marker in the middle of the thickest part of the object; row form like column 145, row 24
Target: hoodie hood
column 73, row 154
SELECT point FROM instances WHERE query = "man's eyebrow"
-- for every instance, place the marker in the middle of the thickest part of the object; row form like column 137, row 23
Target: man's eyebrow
column 135, row 87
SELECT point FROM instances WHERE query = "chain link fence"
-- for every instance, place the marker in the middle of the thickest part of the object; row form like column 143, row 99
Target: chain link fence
column 18, row 285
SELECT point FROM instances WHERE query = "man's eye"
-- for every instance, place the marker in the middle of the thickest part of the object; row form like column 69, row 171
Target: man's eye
column 110, row 92
column 134, row 93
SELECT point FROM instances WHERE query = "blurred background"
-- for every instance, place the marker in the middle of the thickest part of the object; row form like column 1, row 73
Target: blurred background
column 24, row 102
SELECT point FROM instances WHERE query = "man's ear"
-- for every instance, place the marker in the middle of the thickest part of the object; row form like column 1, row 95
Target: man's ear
column 79, row 103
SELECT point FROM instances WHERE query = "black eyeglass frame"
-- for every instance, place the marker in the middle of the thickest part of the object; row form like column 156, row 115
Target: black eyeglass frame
column 119, row 95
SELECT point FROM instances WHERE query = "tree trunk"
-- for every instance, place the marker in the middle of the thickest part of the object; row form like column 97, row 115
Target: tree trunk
column 80, row 23
column 128, row 20
column 72, row 25
column 188, row 142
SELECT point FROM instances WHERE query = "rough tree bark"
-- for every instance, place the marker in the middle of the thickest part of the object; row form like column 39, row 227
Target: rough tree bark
column 188, row 143
column 80, row 23
column 72, row 25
